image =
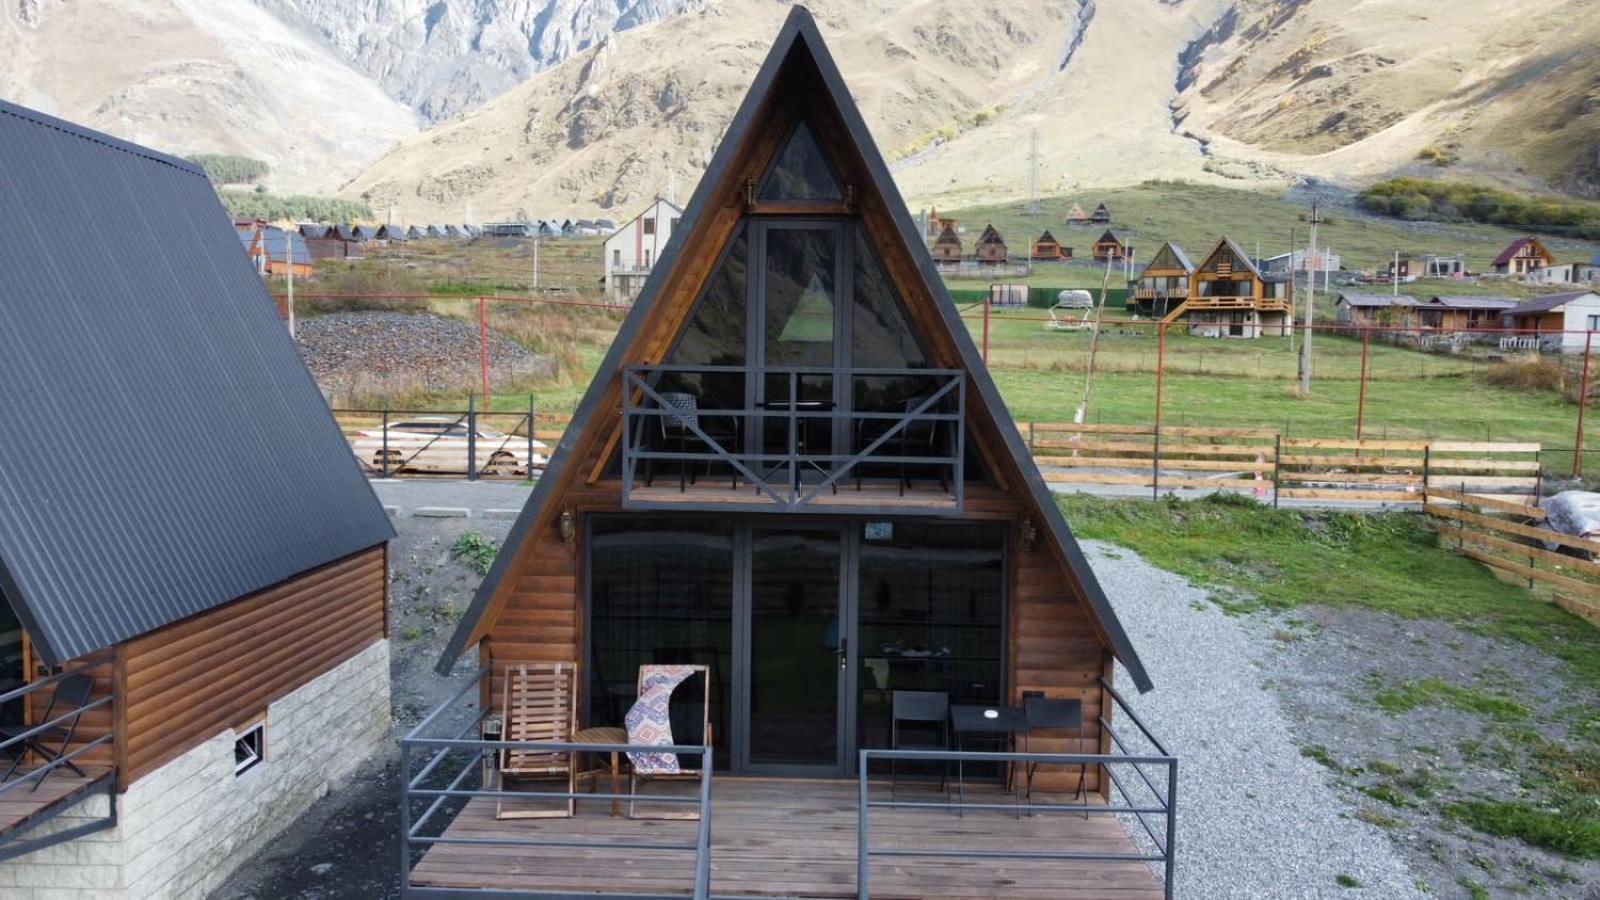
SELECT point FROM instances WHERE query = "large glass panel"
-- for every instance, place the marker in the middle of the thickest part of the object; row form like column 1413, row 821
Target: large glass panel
column 881, row 336
column 715, row 335
column 931, row 611
column 794, row 647
column 798, row 305
column 661, row 591
column 801, row 172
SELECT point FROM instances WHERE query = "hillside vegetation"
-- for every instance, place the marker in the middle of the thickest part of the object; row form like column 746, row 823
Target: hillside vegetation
column 1453, row 201
column 294, row 207
column 228, row 168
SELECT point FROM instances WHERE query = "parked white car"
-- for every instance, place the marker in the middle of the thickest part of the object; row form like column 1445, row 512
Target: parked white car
column 439, row 444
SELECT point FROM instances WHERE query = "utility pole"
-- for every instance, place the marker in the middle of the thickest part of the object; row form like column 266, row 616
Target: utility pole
column 1311, row 296
column 1394, row 274
column 1292, row 298
column 1033, row 174
column 536, row 261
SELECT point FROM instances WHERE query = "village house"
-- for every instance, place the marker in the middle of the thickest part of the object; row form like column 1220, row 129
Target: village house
column 948, row 248
column 1353, row 309
column 275, row 252
column 1163, row 285
column 1524, row 257
column 1410, row 268
column 991, row 247
column 1108, row 249
column 1048, row 249
column 1299, row 264
column 1559, row 322
column 632, row 250
column 790, row 514
column 325, row 242
column 1076, row 216
column 203, row 648
column 1577, row 273
column 937, row 223
column 1102, row 215
column 1465, row 314
column 390, row 233
column 1229, row 297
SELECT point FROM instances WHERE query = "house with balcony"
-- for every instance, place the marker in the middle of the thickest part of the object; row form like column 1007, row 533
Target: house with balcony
column 1163, row 284
column 791, row 521
column 633, row 250
column 192, row 627
column 1230, row 297
column 1524, row 257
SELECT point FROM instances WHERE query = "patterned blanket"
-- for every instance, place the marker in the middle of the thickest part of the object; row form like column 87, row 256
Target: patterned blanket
column 649, row 720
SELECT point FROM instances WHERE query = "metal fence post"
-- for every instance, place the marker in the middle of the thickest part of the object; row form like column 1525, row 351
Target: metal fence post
column 472, row 437
column 863, row 889
column 483, row 344
column 1172, row 822
column 386, row 439
column 1583, row 401
column 1277, row 468
column 405, row 816
column 531, row 418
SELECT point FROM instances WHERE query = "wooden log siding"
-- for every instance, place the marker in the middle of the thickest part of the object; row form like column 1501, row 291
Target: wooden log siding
column 185, row 683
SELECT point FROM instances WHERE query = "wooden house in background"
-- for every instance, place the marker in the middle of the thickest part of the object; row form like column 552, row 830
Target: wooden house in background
column 1164, row 283
column 1229, row 297
column 204, row 626
column 1108, row 249
column 1353, row 309
column 1076, row 216
column 1101, row 216
column 325, row 242
column 810, row 593
column 937, row 223
column 947, row 249
column 275, row 252
column 1523, row 257
column 1562, row 322
column 1459, row 314
column 991, row 247
column 1410, row 268
column 1047, row 249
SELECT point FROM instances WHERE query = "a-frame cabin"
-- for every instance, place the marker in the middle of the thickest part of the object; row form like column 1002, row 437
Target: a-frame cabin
column 991, row 246
column 947, row 247
column 1164, row 283
column 1230, row 297
column 793, row 469
column 1047, row 248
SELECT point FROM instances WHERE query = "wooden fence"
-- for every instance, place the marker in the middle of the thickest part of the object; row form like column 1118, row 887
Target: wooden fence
column 1505, row 536
column 1265, row 464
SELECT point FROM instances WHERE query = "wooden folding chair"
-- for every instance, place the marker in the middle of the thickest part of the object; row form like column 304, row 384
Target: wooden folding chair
column 640, row 767
column 539, row 704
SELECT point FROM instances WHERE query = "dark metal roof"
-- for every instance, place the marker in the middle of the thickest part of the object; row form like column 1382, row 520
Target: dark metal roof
column 1547, row 303
column 165, row 450
column 801, row 29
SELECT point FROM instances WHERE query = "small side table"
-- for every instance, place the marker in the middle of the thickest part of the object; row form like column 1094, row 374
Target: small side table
column 608, row 735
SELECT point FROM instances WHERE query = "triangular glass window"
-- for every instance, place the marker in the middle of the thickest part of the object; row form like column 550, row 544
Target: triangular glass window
column 715, row 334
column 801, row 171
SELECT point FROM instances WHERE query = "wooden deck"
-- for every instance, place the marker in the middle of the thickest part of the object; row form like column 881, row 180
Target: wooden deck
column 789, row 838
column 20, row 806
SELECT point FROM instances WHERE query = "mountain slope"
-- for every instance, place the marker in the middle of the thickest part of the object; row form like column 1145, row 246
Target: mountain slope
column 444, row 57
column 640, row 113
column 192, row 76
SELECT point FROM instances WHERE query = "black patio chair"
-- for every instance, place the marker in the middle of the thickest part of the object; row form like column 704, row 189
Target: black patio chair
column 930, row 711
column 919, row 437
column 1066, row 715
column 71, row 692
column 681, row 415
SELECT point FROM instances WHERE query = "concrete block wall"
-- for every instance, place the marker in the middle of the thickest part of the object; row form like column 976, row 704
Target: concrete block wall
column 185, row 827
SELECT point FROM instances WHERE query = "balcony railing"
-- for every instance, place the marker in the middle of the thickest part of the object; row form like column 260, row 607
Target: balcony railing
column 791, row 451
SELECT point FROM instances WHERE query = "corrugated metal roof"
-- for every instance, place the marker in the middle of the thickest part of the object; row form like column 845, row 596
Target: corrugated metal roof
column 272, row 243
column 165, row 449
column 1356, row 298
column 1474, row 302
column 1547, row 303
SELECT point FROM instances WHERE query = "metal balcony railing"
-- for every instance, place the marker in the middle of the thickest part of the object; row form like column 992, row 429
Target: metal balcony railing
column 789, row 451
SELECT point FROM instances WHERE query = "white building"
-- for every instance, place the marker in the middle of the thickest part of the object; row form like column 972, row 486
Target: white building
column 1566, row 273
column 635, row 247
column 1557, row 321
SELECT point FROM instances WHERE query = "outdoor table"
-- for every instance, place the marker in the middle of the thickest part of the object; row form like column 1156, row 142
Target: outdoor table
column 1002, row 727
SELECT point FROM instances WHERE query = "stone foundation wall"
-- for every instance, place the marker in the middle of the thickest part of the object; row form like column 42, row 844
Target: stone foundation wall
column 185, row 827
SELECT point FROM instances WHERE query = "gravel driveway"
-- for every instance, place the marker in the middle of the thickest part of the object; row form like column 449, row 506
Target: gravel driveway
column 1255, row 818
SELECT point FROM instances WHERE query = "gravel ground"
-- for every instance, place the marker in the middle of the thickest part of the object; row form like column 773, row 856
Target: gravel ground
column 1255, row 818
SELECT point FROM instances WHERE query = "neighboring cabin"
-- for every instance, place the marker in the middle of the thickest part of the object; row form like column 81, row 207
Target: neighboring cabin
column 991, row 247
column 276, row 252
column 1076, row 216
column 1048, row 249
column 1565, row 274
column 327, row 242
column 1298, row 264
column 1524, row 257
column 1102, row 215
column 1459, row 314
column 1560, row 321
column 632, row 250
column 1354, row 309
column 1108, row 249
column 947, row 249
column 1164, row 283
column 1411, row 268
column 209, row 610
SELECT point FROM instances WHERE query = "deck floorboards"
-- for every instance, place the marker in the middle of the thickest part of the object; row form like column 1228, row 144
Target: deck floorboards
column 23, row 804
column 785, row 838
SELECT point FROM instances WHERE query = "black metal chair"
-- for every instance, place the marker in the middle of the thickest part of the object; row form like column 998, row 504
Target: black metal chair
column 1049, row 713
column 930, row 710
column 680, row 417
column 920, row 437
column 71, row 692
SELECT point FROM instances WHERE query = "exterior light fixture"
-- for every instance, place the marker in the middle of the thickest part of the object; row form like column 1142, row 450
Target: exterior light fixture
column 568, row 526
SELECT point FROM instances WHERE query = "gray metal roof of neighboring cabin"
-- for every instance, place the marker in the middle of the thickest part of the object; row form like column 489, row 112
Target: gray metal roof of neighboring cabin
column 1473, row 302
column 167, row 451
column 800, row 29
column 1357, row 298
column 272, row 241
column 1546, row 303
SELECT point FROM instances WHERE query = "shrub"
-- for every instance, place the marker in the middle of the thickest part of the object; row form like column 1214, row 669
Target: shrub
column 1458, row 201
column 227, row 168
column 475, row 551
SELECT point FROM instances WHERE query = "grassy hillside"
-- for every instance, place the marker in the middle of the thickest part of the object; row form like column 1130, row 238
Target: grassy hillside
column 1195, row 215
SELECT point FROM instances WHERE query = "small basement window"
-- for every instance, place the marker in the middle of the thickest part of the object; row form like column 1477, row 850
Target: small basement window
column 249, row 748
